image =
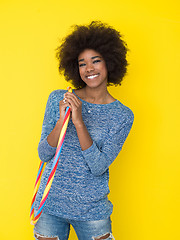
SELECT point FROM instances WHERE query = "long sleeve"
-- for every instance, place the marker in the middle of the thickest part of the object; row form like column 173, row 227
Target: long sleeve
column 100, row 158
column 45, row 151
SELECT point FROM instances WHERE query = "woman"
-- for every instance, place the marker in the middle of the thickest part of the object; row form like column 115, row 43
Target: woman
column 92, row 57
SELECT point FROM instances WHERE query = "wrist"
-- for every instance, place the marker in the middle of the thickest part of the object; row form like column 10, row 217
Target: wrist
column 79, row 124
column 58, row 125
column 59, row 121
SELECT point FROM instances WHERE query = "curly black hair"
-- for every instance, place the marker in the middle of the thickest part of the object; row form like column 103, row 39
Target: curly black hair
column 97, row 36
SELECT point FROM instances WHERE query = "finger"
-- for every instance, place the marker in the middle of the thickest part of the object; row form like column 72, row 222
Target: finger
column 72, row 104
column 64, row 104
column 73, row 97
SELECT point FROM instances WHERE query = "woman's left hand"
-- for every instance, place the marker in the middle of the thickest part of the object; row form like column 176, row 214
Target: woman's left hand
column 75, row 106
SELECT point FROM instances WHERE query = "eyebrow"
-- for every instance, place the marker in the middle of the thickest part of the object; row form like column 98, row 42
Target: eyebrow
column 81, row 60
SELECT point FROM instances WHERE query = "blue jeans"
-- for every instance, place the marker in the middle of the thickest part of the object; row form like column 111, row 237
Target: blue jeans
column 51, row 227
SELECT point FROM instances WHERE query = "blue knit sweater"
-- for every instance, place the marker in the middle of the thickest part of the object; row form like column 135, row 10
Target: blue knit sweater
column 80, row 186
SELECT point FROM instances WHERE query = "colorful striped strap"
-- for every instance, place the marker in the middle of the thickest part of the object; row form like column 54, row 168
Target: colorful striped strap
column 34, row 218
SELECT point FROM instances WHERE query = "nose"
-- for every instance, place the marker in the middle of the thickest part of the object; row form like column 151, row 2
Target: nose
column 89, row 67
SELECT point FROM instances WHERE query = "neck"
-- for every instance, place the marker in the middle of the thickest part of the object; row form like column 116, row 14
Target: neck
column 94, row 95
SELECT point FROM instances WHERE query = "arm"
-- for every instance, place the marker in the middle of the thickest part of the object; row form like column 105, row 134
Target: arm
column 99, row 159
column 76, row 108
column 51, row 130
column 83, row 135
column 46, row 149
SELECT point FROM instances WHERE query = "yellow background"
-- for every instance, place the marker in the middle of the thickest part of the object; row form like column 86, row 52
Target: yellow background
column 145, row 177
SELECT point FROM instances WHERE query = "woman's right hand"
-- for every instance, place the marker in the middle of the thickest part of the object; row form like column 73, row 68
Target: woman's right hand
column 53, row 137
column 63, row 104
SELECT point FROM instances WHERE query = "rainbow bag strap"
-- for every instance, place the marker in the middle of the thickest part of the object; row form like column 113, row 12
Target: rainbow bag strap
column 34, row 218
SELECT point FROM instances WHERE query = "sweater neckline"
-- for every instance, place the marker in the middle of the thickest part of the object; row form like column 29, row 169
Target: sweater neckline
column 95, row 104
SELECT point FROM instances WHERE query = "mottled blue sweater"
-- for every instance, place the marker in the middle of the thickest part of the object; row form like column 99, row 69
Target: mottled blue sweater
column 80, row 186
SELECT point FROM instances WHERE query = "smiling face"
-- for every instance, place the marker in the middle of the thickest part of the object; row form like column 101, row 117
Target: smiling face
column 92, row 68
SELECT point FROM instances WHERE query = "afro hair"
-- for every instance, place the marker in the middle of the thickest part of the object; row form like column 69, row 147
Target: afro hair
column 99, row 37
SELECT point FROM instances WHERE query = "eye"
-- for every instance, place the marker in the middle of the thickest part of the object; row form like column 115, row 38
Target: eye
column 97, row 61
column 82, row 65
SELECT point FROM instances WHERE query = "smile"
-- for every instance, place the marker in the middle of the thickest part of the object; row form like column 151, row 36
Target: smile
column 92, row 76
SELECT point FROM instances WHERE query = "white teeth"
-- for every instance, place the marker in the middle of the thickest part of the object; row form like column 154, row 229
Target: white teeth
column 92, row 76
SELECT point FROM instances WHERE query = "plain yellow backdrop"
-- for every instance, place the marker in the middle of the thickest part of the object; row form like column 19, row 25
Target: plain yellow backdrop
column 144, row 179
